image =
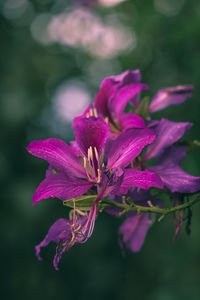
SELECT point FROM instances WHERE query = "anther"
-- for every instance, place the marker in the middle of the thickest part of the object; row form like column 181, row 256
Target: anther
column 96, row 154
column 90, row 153
column 99, row 176
column 95, row 113
column 106, row 120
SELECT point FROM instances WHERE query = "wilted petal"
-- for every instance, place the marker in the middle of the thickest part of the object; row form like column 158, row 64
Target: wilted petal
column 59, row 155
column 61, row 186
column 168, row 96
column 65, row 233
column 167, row 133
column 118, row 103
column 134, row 231
column 177, row 180
column 129, row 120
column 121, row 151
column 141, row 179
column 91, row 132
column 59, row 230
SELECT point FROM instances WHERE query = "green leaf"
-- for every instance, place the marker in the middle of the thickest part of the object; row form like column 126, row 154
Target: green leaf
column 83, row 203
column 143, row 108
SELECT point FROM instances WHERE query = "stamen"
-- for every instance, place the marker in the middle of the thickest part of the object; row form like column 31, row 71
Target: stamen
column 73, row 237
column 74, row 216
column 77, row 229
column 95, row 113
column 91, row 112
column 90, row 154
column 106, row 120
column 96, row 154
column 84, row 163
column 87, row 115
column 99, row 176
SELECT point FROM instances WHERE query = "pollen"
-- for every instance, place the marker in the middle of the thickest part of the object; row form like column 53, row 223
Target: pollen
column 92, row 113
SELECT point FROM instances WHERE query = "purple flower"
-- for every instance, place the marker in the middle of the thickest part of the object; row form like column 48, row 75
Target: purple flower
column 167, row 133
column 113, row 96
column 170, row 96
column 102, row 162
column 169, row 157
column 172, row 175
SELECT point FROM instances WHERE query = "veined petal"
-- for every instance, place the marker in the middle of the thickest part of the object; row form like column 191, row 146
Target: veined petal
column 129, row 120
column 169, row 96
column 110, row 86
column 118, row 103
column 75, row 148
column 167, row 133
column 177, row 180
column 121, row 151
column 59, row 155
column 134, row 231
column 61, row 186
column 141, row 179
column 172, row 155
column 107, row 89
column 91, row 132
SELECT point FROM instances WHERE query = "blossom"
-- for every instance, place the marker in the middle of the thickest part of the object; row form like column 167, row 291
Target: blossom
column 169, row 157
column 170, row 96
column 103, row 163
column 116, row 91
column 113, row 96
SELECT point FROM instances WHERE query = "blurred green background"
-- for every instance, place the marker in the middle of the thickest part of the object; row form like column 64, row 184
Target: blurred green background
column 54, row 54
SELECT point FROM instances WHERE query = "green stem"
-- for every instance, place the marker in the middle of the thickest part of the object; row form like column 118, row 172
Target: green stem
column 151, row 209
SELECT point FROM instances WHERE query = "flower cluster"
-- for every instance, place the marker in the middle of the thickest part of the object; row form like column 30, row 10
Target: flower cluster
column 106, row 166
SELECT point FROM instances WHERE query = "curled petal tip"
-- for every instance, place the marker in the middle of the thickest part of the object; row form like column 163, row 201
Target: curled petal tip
column 37, row 250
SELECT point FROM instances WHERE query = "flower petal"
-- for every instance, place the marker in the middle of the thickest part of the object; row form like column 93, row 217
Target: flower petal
column 65, row 233
column 57, row 231
column 118, row 103
column 107, row 89
column 141, row 179
column 129, row 120
column 59, row 155
column 121, row 151
column 128, row 77
column 91, row 132
column 177, row 180
column 134, row 231
column 172, row 155
column 61, row 186
column 110, row 86
column 167, row 133
column 168, row 96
